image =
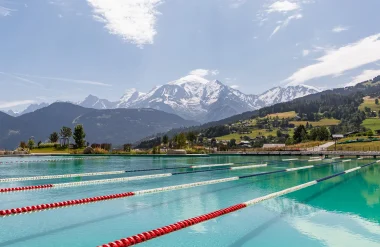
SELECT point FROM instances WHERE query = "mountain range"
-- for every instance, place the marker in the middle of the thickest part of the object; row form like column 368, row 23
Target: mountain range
column 194, row 97
column 117, row 126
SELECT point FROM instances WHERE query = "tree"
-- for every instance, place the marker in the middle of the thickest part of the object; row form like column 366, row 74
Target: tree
column 300, row 134
column 54, row 137
column 191, row 137
column 23, row 145
column 66, row 134
column 376, row 101
column 279, row 133
column 127, row 147
column 181, row 140
column 165, row 140
column 31, row 144
column 233, row 143
column 79, row 136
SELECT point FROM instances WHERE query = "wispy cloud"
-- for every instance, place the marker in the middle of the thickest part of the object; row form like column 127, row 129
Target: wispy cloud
column 286, row 23
column 339, row 29
column 281, row 12
column 364, row 76
column 237, row 3
column 21, row 79
column 337, row 61
column 235, row 86
column 133, row 20
column 4, row 12
column 95, row 83
column 7, row 104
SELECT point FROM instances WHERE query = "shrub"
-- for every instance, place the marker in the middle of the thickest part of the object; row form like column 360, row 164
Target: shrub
column 47, row 145
column 100, row 151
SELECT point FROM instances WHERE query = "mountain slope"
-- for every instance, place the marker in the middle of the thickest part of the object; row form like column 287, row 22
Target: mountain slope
column 117, row 126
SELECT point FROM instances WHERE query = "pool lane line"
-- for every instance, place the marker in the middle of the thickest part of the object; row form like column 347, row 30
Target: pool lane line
column 49, row 160
column 146, row 236
column 56, row 205
column 90, row 174
column 118, row 180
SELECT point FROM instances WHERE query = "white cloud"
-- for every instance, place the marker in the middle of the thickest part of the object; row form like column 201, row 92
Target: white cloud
column 7, row 104
column 339, row 29
column 204, row 72
column 21, row 79
column 95, row 83
column 237, row 3
column 286, row 23
column 235, row 86
column 283, row 6
column 60, row 16
column 283, row 9
column 133, row 20
column 4, row 12
column 305, row 53
column 337, row 61
column 364, row 76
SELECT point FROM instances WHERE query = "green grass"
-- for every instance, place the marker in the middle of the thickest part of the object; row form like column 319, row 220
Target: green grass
column 322, row 122
column 361, row 146
column 369, row 102
column 372, row 123
column 289, row 114
column 255, row 133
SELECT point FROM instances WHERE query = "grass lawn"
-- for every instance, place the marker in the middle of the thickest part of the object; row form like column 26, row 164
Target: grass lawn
column 372, row 123
column 289, row 114
column 256, row 132
column 369, row 102
column 54, row 150
column 361, row 146
column 322, row 122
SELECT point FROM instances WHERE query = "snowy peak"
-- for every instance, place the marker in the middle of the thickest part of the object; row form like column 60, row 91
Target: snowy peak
column 92, row 101
column 284, row 94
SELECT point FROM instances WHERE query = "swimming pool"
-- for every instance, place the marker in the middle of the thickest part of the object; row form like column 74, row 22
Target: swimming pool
column 344, row 211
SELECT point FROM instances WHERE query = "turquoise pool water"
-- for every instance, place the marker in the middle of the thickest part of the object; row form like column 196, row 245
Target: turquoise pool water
column 344, row 211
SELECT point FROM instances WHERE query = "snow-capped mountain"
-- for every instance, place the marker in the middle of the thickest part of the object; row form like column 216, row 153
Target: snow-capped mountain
column 94, row 102
column 284, row 94
column 194, row 97
column 29, row 109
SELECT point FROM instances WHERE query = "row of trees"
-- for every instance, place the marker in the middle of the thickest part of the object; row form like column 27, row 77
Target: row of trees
column 66, row 133
column 302, row 134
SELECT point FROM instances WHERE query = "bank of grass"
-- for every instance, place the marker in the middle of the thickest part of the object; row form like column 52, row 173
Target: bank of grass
column 322, row 122
column 53, row 150
column 372, row 123
column 369, row 102
column 360, row 146
column 255, row 133
column 289, row 114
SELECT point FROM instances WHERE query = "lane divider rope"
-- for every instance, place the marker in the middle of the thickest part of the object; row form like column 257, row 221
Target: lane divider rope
column 90, row 174
column 49, row 160
column 146, row 236
column 56, row 205
column 115, row 180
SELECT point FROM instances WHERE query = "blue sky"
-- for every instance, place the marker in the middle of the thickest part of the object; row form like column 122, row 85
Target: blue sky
column 66, row 49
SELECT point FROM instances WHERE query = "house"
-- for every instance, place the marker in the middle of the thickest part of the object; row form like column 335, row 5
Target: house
column 245, row 144
column 337, row 136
